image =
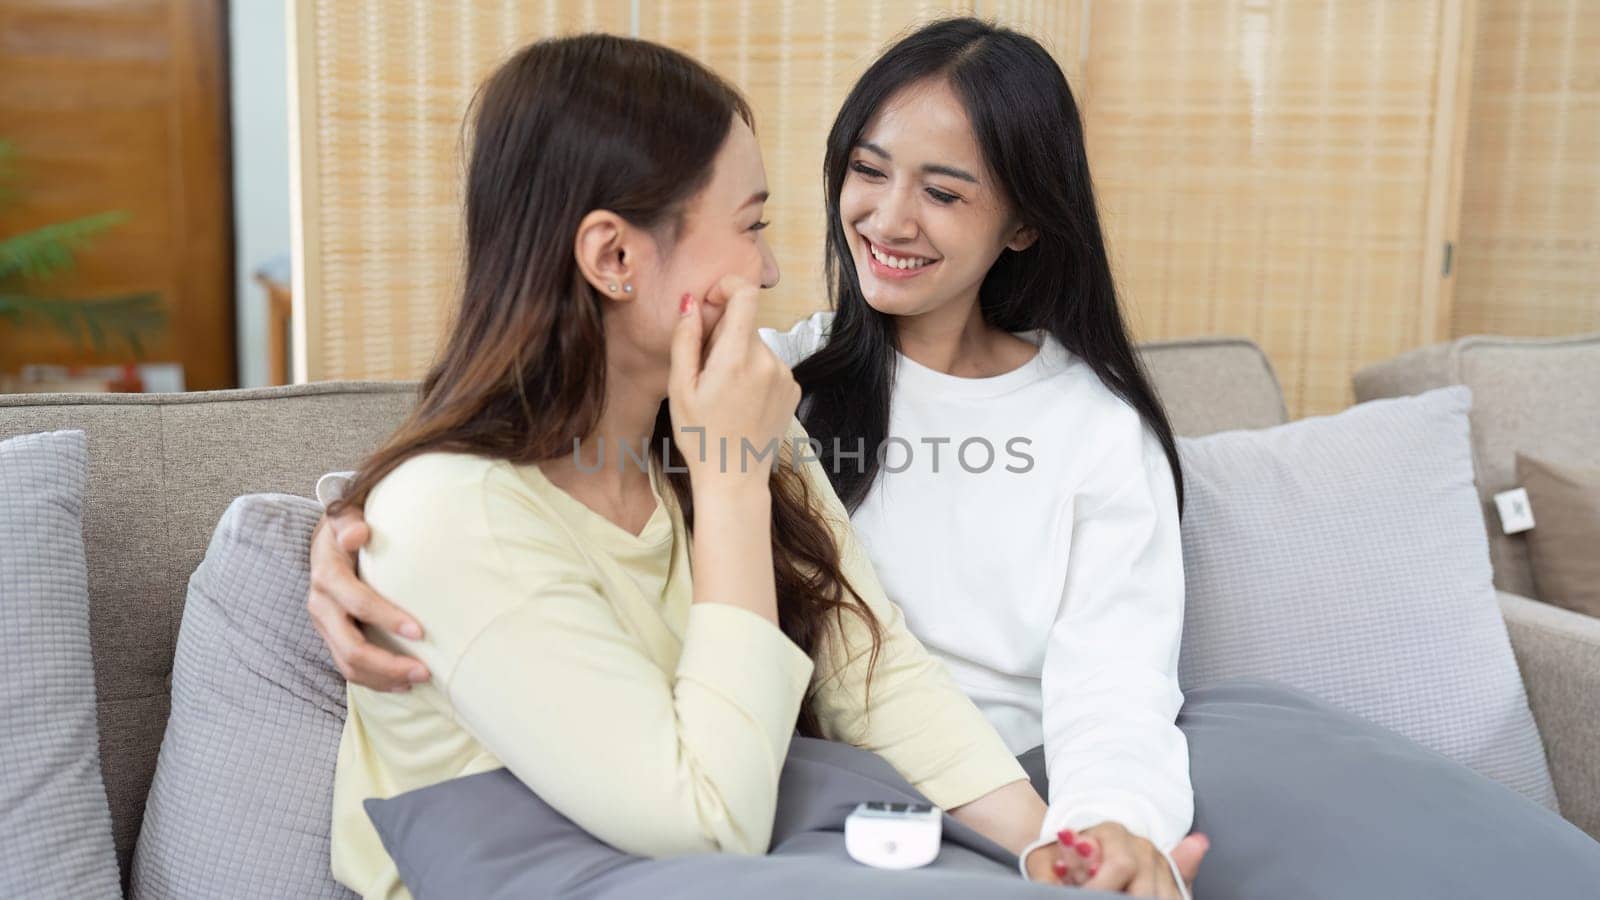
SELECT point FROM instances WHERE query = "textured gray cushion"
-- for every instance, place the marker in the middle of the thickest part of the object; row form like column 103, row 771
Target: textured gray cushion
column 488, row 836
column 1344, row 555
column 1303, row 800
column 55, row 826
column 241, row 801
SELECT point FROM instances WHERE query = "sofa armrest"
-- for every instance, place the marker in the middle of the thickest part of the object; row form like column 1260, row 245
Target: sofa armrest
column 1558, row 652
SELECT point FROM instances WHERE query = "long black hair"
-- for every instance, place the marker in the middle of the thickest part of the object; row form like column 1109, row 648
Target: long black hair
column 1026, row 123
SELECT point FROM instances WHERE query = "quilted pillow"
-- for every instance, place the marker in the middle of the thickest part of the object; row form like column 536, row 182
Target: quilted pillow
column 55, row 826
column 242, row 797
column 1345, row 555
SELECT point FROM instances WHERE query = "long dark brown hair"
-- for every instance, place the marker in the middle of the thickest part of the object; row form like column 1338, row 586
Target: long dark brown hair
column 564, row 127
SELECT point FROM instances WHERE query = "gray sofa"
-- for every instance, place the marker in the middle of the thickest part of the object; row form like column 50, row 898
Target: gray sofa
column 164, row 467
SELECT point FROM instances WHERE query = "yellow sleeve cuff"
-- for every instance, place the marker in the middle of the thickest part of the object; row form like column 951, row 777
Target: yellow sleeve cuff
column 973, row 775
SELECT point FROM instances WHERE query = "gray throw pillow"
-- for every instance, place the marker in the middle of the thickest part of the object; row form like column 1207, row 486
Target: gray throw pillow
column 488, row 836
column 55, row 826
column 1345, row 555
column 1301, row 799
column 242, row 798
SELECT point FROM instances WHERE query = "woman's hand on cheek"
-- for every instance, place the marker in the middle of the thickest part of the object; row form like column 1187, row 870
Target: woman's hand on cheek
column 727, row 389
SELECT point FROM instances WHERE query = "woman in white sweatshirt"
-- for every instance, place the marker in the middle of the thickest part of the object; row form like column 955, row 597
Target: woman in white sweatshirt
column 977, row 404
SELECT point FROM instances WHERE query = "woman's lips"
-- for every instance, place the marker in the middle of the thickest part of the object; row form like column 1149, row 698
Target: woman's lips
column 890, row 272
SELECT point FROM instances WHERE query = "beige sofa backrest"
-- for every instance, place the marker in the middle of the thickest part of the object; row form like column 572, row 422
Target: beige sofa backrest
column 1537, row 395
column 164, row 467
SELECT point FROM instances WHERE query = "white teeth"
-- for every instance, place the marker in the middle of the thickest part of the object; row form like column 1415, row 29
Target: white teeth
column 897, row 262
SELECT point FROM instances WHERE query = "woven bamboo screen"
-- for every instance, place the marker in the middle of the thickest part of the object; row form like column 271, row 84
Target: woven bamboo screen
column 1529, row 256
column 382, row 87
column 1278, row 170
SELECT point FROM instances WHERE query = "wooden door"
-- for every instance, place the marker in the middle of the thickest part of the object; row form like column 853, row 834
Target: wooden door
column 122, row 105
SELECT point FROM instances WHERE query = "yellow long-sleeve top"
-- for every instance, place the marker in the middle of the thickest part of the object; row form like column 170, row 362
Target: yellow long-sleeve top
column 568, row 650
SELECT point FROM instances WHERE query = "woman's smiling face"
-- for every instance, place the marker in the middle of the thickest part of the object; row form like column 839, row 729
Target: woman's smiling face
column 923, row 215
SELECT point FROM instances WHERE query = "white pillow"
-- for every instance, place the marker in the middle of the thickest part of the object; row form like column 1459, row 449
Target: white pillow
column 1346, row 556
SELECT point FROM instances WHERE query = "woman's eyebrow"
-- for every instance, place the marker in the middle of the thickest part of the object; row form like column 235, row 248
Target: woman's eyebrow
column 756, row 199
column 930, row 168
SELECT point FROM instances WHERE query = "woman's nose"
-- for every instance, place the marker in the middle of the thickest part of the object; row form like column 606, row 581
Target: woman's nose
column 769, row 266
column 895, row 221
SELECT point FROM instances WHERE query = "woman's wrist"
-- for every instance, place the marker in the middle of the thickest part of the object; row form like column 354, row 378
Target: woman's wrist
column 735, row 492
column 733, row 546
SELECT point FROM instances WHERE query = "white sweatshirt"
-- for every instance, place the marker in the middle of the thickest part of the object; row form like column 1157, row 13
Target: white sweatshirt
column 1055, row 594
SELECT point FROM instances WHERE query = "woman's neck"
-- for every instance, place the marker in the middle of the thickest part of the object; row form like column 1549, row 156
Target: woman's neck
column 619, row 489
column 954, row 339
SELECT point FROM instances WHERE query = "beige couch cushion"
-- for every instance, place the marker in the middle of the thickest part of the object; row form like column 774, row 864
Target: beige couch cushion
column 162, row 468
column 1214, row 384
column 1564, row 545
column 1537, row 395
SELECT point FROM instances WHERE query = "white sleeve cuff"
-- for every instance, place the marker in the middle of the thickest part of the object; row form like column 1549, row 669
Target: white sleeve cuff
column 1183, row 889
column 1022, row 858
column 332, row 486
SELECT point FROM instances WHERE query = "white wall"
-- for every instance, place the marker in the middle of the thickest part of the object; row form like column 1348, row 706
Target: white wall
column 260, row 166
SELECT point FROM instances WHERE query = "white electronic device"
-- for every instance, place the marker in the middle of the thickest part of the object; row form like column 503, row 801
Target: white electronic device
column 893, row 835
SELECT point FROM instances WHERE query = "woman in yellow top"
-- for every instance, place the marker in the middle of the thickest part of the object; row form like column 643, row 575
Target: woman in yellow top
column 613, row 245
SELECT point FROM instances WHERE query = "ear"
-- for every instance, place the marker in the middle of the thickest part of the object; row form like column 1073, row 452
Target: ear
column 1022, row 238
column 605, row 255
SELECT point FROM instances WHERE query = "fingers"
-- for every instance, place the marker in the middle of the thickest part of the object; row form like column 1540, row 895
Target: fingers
column 1113, row 862
column 1115, row 873
column 1145, row 877
column 1076, row 852
column 338, row 598
column 349, row 529
column 687, row 343
column 352, row 536
column 356, row 658
column 1046, row 866
column 333, row 575
column 1188, row 854
column 737, row 330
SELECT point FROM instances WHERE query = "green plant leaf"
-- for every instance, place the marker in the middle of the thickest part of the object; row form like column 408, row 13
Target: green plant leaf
column 50, row 249
column 129, row 317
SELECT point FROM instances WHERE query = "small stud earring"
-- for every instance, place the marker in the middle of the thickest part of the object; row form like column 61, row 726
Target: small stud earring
column 612, row 288
column 627, row 288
